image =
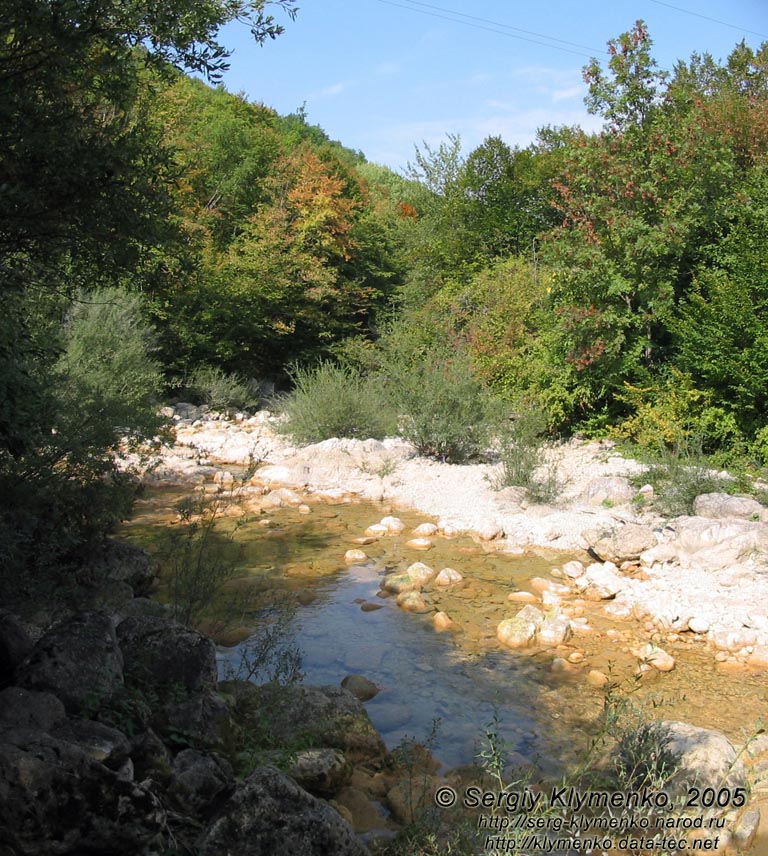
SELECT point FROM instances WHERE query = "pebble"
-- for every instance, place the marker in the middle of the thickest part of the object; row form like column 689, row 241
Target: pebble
column 419, row 544
column 425, row 530
column 352, row 556
column 596, row 678
column 522, row 597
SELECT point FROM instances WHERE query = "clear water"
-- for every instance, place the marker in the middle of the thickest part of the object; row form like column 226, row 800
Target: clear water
column 449, row 685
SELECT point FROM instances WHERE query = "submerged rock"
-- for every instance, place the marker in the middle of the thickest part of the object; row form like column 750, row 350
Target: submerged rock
column 520, row 631
column 360, row 687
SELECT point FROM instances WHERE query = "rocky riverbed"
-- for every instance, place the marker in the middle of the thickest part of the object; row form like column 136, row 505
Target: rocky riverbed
column 705, row 575
column 117, row 732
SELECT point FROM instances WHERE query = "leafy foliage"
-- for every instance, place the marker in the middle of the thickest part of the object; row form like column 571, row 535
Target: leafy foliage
column 332, row 401
column 221, row 391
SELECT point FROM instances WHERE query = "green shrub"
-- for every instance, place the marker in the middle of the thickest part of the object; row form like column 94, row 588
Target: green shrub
column 82, row 381
column 679, row 475
column 520, row 442
column 443, row 409
column 332, row 401
column 221, row 391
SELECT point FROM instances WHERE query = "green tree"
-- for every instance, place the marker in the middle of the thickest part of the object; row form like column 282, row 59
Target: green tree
column 641, row 202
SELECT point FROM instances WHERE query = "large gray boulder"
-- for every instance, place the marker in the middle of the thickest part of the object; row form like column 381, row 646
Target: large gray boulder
column 271, row 814
column 78, row 660
column 115, row 564
column 165, row 653
column 55, row 800
column 718, row 544
column 315, row 716
column 199, row 779
column 608, row 490
column 622, row 543
column 703, row 757
column 202, row 718
column 722, row 505
column 21, row 708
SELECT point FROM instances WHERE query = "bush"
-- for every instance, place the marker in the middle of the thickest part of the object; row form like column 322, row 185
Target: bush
column 332, row 401
column 84, row 380
column 443, row 409
column 679, row 475
column 221, row 391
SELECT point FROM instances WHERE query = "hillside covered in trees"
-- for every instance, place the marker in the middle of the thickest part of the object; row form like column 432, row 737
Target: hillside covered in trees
column 162, row 237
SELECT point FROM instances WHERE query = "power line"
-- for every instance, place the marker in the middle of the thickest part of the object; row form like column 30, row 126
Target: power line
column 489, row 29
column 707, row 18
column 506, row 26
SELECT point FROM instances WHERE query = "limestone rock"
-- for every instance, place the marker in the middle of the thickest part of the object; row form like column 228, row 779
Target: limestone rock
column 204, row 717
column 720, row 505
column 706, row 759
column 573, row 569
column 271, row 814
column 623, row 543
column 360, row 687
column 392, row 525
column 55, row 799
column 199, row 779
column 718, row 544
column 522, row 597
column 320, row 771
column 419, row 544
column 77, row 660
column 425, row 530
column 408, row 798
column 324, row 716
column 603, row 490
column 167, row 653
column 98, row 741
column 412, row 601
column 448, row 577
column 490, row 531
column 655, row 656
column 698, row 625
column 520, row 631
column 364, row 814
column 600, row 582
column 377, row 530
column 554, row 629
column 596, row 678
column 352, row 556
column 420, row 572
column 442, row 621
column 20, row 708
column 121, row 562
column 397, row 583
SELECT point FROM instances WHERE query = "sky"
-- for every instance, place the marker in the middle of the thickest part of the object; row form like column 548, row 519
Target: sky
column 386, row 76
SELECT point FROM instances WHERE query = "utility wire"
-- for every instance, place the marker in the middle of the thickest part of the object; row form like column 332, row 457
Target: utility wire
column 488, row 29
column 707, row 18
column 506, row 26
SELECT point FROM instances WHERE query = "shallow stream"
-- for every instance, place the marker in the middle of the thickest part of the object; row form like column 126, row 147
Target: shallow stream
column 451, row 684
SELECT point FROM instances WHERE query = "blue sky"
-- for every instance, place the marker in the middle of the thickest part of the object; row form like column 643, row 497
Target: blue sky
column 383, row 76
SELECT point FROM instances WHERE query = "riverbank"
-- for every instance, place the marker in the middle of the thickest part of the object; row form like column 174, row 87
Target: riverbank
column 704, row 575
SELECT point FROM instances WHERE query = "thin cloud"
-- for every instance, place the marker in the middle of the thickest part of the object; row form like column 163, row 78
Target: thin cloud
column 568, row 94
column 331, row 91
